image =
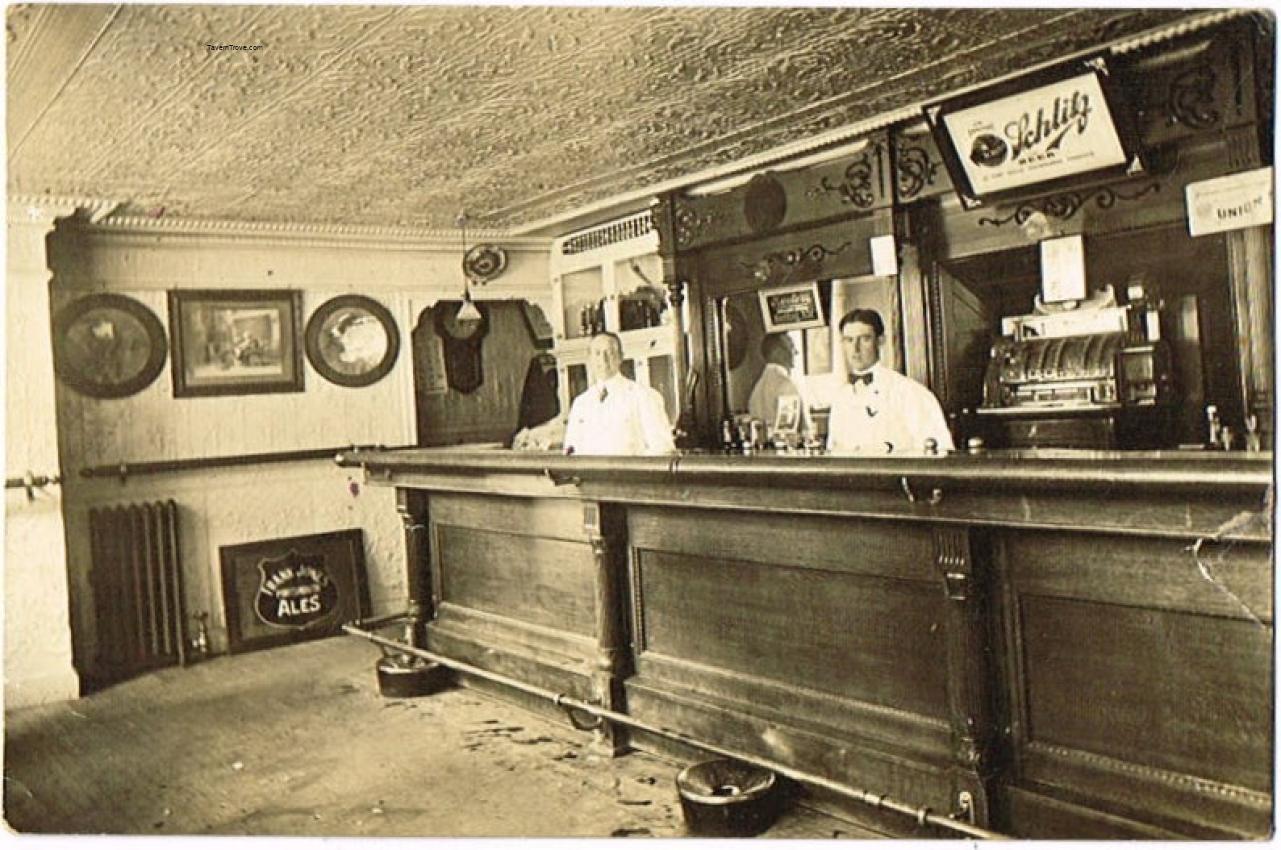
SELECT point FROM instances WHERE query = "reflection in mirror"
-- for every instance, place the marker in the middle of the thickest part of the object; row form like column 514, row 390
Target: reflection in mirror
column 641, row 298
column 662, row 379
column 761, row 368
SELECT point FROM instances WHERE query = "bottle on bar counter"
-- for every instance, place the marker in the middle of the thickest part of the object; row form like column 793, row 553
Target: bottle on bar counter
column 744, row 429
column 729, row 437
column 1253, row 440
column 1213, row 424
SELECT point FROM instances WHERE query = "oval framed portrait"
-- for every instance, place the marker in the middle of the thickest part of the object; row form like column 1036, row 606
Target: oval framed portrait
column 107, row 345
column 352, row 340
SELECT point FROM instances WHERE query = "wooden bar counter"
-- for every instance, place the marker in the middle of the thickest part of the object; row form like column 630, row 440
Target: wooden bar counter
column 1070, row 644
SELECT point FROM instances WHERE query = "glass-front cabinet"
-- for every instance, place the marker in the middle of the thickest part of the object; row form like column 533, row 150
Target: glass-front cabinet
column 609, row 278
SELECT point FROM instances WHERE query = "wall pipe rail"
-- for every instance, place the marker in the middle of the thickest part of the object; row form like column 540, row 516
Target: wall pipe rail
column 921, row 814
column 124, row 469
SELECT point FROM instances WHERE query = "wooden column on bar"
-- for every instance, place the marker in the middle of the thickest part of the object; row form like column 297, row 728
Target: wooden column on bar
column 412, row 507
column 1250, row 262
column 605, row 533
column 677, row 291
column 912, row 303
column 968, row 673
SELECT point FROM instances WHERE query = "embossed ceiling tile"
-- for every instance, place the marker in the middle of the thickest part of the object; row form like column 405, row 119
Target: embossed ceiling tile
column 156, row 62
column 910, row 93
column 44, row 42
column 395, row 114
column 236, row 87
column 818, row 73
column 370, row 107
column 19, row 19
column 130, row 73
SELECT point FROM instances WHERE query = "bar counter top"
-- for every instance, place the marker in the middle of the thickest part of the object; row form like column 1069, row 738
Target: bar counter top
column 1056, row 468
column 1202, row 493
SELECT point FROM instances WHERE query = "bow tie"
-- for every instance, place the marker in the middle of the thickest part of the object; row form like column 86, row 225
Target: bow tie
column 865, row 378
column 604, row 393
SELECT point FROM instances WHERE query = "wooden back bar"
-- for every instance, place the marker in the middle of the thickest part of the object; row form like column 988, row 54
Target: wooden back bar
column 1080, row 643
column 1198, row 107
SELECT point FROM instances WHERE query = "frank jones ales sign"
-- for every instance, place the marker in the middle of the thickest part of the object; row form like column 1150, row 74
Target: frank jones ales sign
column 295, row 591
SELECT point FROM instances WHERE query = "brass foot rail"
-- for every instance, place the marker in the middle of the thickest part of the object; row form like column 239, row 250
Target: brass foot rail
column 921, row 814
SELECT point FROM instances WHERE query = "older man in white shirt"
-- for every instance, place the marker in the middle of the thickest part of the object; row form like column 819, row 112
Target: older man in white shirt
column 616, row 415
column 877, row 410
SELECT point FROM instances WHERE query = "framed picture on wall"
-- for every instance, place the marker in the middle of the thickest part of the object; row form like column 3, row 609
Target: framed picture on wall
column 235, row 341
column 791, row 308
column 352, row 340
column 107, row 345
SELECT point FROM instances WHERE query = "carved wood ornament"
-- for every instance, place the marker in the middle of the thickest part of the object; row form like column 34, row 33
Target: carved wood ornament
column 1066, row 205
column 856, row 189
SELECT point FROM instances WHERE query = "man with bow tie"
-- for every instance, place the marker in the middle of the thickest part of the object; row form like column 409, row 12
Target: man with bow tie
column 616, row 415
column 880, row 411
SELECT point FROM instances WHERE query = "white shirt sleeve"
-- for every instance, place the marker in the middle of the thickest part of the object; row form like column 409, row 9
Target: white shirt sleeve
column 929, row 422
column 820, row 390
column 656, row 431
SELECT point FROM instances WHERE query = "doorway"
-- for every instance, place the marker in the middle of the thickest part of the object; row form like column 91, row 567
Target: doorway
column 478, row 383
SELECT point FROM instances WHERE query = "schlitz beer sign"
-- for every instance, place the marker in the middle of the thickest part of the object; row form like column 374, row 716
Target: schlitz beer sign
column 295, row 591
column 1032, row 137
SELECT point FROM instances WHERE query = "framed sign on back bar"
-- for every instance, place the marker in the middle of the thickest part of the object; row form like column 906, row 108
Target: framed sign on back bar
column 790, row 308
column 1038, row 131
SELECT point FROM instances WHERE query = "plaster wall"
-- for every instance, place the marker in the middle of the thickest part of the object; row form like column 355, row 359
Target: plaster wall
column 220, row 507
column 37, row 643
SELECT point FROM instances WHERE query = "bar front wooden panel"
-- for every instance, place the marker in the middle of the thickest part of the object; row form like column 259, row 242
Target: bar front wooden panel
column 847, row 609
column 829, row 629
column 849, row 636
column 513, row 581
column 534, row 580
column 1136, row 677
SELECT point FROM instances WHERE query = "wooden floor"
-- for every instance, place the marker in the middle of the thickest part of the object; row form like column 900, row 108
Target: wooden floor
column 298, row 741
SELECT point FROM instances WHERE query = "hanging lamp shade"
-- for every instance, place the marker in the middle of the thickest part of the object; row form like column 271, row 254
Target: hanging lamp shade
column 468, row 312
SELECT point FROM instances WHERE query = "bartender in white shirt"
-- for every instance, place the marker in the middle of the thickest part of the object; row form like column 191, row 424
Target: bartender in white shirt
column 616, row 415
column 879, row 411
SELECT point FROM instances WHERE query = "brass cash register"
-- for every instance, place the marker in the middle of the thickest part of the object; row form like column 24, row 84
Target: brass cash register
column 1098, row 376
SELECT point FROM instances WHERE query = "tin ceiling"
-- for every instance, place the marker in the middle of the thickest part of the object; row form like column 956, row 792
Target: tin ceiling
column 404, row 115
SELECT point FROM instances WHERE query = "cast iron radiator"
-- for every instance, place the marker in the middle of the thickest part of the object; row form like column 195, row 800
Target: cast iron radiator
column 136, row 577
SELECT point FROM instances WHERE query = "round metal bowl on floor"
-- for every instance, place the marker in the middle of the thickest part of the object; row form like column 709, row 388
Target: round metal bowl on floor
column 728, row 798
column 404, row 676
